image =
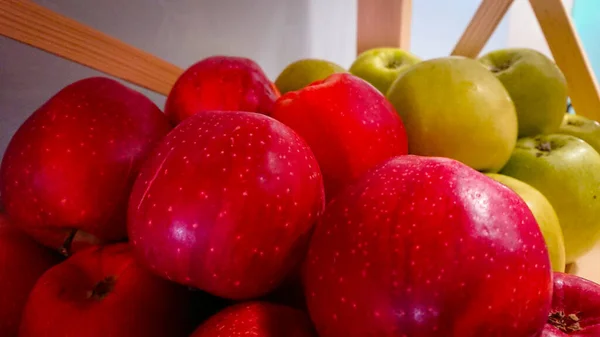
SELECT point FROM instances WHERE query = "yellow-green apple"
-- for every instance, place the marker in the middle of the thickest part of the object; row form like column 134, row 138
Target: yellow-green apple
column 566, row 170
column 102, row 291
column 423, row 246
column 448, row 102
column 536, row 85
column 575, row 308
column 226, row 204
column 583, row 128
column 381, row 66
column 301, row 73
column 22, row 262
column 544, row 215
column 259, row 319
column 68, row 170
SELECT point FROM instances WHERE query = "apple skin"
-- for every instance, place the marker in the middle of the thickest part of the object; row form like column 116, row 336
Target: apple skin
column 566, row 170
column 544, row 215
column 349, row 125
column 226, row 204
column 583, row 128
column 67, row 173
column 446, row 103
column 103, row 291
column 574, row 295
column 259, row 319
column 221, row 83
column 536, row 85
column 22, row 262
column 427, row 247
column 301, row 73
column 381, row 66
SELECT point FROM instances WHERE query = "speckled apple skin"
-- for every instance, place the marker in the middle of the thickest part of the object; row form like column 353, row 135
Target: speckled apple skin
column 226, row 204
column 73, row 162
column 576, row 295
column 221, row 83
column 258, row 319
column 349, row 125
column 427, row 247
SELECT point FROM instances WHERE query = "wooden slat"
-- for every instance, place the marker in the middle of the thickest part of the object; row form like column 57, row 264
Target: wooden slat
column 482, row 26
column 383, row 23
column 569, row 55
column 29, row 23
column 588, row 266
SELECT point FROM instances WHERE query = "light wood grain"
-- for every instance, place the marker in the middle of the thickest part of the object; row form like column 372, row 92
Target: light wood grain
column 569, row 55
column 29, row 23
column 482, row 26
column 383, row 23
column 588, row 266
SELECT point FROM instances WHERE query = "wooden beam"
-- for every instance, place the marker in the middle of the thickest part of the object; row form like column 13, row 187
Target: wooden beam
column 482, row 26
column 383, row 23
column 569, row 55
column 37, row 26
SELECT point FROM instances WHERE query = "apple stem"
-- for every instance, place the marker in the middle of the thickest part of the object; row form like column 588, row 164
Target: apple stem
column 65, row 248
column 565, row 323
column 102, row 288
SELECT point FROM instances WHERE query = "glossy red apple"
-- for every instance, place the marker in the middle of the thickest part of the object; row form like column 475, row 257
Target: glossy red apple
column 226, row 204
column 349, row 125
column 22, row 262
column 427, row 247
column 102, row 291
column 221, row 83
column 575, row 308
column 258, row 319
column 68, row 170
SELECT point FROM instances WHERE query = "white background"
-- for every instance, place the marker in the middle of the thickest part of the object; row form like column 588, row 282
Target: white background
column 272, row 32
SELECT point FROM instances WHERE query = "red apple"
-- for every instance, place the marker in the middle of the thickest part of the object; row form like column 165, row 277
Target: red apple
column 259, row 319
column 68, row 170
column 427, row 247
column 226, row 204
column 575, row 308
column 22, row 262
column 221, row 83
column 103, row 291
column 349, row 125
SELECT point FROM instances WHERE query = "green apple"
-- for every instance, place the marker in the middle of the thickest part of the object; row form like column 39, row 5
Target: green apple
column 454, row 107
column 536, row 85
column 544, row 214
column 581, row 127
column 301, row 73
column 566, row 170
column 381, row 66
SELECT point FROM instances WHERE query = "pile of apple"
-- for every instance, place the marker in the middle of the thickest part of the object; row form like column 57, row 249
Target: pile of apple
column 401, row 197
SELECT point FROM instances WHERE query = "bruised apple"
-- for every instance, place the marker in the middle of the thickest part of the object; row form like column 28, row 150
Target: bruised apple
column 427, row 247
column 67, row 173
column 226, row 204
column 22, row 262
column 221, row 83
column 102, row 291
column 259, row 319
column 575, row 308
column 349, row 125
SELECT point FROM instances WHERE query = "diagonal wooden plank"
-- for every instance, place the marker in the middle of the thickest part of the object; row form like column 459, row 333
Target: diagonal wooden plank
column 383, row 23
column 35, row 25
column 482, row 26
column 569, row 55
